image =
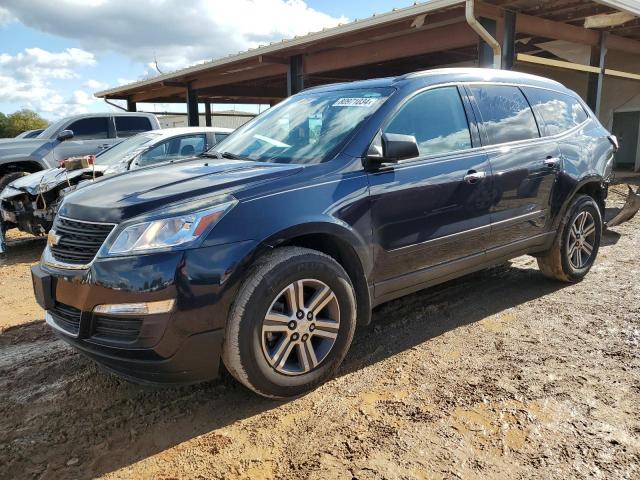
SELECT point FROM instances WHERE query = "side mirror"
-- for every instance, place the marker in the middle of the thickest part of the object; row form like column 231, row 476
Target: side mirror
column 65, row 135
column 391, row 148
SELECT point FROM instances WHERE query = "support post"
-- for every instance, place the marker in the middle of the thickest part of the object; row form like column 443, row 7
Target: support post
column 594, row 87
column 295, row 80
column 193, row 116
column 509, row 40
column 131, row 105
column 485, row 52
column 207, row 114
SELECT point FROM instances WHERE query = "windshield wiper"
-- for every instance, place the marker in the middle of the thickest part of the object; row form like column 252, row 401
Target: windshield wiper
column 228, row 155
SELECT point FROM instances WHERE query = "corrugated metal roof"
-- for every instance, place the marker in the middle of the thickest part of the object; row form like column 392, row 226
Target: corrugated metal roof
column 632, row 6
column 375, row 19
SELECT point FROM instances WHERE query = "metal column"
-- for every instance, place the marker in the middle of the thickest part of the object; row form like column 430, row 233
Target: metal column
column 295, row 80
column 509, row 40
column 594, row 87
column 193, row 116
column 207, row 114
column 485, row 52
column 131, row 105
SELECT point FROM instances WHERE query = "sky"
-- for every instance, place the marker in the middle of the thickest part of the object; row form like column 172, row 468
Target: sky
column 55, row 55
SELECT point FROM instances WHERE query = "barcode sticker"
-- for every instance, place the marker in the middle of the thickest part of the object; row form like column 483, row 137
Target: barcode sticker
column 355, row 102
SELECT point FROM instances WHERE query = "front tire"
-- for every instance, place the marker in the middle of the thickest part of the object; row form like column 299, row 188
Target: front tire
column 576, row 245
column 291, row 324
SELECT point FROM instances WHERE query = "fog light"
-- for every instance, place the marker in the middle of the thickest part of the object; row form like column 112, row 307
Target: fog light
column 144, row 308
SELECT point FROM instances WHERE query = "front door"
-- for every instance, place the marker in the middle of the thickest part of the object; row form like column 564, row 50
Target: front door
column 434, row 209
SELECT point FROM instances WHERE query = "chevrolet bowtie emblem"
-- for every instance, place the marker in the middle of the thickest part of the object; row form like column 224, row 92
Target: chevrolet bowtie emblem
column 53, row 238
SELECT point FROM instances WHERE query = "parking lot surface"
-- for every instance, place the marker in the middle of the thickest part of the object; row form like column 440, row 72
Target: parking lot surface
column 501, row 374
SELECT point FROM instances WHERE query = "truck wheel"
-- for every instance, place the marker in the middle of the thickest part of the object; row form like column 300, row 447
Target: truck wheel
column 10, row 177
column 576, row 244
column 291, row 324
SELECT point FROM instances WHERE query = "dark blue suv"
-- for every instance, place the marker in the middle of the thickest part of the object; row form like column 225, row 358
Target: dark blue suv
column 267, row 252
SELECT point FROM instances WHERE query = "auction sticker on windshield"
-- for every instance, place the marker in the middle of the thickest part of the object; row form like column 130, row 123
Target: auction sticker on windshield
column 355, row 102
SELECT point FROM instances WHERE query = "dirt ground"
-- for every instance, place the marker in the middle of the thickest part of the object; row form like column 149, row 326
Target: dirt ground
column 501, row 374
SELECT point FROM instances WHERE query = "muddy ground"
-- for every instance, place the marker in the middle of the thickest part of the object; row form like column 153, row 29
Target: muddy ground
column 501, row 374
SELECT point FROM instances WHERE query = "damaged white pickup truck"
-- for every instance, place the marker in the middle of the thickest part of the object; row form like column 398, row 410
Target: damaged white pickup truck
column 30, row 203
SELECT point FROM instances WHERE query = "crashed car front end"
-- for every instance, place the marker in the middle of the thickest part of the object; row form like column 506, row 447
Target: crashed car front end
column 30, row 203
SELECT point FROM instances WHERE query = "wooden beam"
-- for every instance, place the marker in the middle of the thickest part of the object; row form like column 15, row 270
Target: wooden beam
column 150, row 95
column 521, row 57
column 620, row 74
column 418, row 43
column 222, row 78
column 554, row 30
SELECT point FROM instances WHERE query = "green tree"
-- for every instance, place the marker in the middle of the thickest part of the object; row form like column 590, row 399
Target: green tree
column 4, row 122
column 23, row 120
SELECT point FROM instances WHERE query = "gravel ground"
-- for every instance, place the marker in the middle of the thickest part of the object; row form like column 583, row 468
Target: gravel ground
column 501, row 374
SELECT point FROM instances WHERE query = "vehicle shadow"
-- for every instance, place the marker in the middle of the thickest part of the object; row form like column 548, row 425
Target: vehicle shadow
column 112, row 424
column 22, row 250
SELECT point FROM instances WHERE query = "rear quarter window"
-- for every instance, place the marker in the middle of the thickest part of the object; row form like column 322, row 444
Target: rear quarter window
column 506, row 114
column 129, row 125
column 559, row 112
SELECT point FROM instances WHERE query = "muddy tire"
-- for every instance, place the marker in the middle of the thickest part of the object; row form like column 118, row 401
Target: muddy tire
column 291, row 324
column 576, row 245
column 11, row 177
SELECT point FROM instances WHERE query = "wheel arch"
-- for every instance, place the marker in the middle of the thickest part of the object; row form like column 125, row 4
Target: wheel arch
column 591, row 185
column 30, row 166
column 341, row 244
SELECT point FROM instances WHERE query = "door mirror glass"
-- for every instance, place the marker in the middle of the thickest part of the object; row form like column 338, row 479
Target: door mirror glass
column 65, row 135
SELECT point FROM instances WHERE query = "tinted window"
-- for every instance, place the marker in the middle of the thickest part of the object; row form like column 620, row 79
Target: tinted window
column 559, row 112
column 437, row 119
column 221, row 136
column 90, row 128
column 506, row 115
column 129, row 126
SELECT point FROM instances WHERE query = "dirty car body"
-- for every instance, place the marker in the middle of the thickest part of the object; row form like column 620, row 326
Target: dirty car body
column 31, row 202
column 375, row 182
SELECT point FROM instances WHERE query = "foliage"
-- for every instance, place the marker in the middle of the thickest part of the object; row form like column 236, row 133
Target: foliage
column 20, row 121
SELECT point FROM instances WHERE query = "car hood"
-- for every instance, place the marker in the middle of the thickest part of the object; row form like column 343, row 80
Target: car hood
column 46, row 180
column 121, row 197
column 23, row 146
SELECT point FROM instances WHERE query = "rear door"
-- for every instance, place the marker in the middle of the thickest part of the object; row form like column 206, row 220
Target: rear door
column 524, row 166
column 434, row 209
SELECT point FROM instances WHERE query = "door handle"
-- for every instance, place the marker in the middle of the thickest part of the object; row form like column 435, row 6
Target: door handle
column 551, row 162
column 474, row 177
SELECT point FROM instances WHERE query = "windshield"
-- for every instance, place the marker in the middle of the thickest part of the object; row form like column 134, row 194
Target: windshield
column 308, row 128
column 126, row 149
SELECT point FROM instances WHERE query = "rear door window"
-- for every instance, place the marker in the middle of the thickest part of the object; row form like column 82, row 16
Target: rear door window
column 437, row 120
column 127, row 126
column 506, row 114
column 559, row 112
column 90, row 128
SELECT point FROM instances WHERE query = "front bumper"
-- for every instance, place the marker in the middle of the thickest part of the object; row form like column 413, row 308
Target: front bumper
column 183, row 346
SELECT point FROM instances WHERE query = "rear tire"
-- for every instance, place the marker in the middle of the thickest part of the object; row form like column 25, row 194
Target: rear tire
column 291, row 324
column 576, row 245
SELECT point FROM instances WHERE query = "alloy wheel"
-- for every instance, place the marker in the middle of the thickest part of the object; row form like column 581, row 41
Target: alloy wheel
column 300, row 327
column 581, row 240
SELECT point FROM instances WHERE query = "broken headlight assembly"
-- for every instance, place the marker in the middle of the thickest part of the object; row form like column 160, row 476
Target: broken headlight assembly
column 167, row 233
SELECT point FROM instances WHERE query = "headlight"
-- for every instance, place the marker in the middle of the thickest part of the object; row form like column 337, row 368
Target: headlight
column 168, row 232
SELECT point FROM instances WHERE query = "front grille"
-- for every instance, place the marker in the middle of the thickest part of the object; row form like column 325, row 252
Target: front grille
column 78, row 242
column 66, row 317
column 116, row 328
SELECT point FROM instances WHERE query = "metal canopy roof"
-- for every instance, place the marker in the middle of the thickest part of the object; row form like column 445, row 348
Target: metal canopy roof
column 403, row 40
